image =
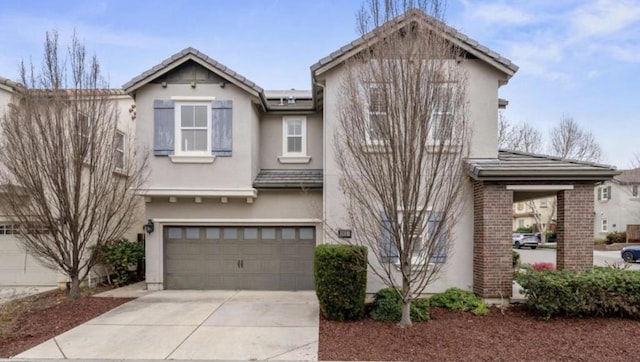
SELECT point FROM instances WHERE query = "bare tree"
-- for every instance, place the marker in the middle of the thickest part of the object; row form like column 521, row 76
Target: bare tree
column 520, row 137
column 543, row 220
column 69, row 174
column 569, row 141
column 400, row 143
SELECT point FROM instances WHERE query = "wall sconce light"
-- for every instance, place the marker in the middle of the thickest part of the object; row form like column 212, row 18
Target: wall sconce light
column 193, row 84
column 164, row 84
column 148, row 227
column 222, row 84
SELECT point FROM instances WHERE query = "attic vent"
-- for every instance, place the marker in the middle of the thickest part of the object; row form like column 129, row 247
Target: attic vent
column 291, row 99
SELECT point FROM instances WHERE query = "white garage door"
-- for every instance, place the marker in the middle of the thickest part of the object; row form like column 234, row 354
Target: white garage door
column 18, row 268
column 259, row 258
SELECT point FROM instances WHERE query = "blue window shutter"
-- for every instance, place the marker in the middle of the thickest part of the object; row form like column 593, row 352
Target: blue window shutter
column 163, row 127
column 388, row 249
column 439, row 255
column 222, row 127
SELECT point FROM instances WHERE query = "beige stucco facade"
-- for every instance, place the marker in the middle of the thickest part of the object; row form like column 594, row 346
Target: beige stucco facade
column 482, row 98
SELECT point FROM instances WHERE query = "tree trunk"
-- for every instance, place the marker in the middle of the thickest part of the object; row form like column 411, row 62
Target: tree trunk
column 74, row 290
column 405, row 321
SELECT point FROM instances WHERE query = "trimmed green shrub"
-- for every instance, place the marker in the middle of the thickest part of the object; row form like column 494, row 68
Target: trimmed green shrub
column 616, row 237
column 121, row 255
column 599, row 292
column 515, row 258
column 387, row 307
column 524, row 229
column 462, row 300
column 340, row 273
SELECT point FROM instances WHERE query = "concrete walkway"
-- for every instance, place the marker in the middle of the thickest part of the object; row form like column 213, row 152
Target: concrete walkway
column 196, row 325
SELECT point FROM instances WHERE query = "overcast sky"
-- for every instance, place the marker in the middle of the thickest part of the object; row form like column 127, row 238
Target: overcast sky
column 577, row 57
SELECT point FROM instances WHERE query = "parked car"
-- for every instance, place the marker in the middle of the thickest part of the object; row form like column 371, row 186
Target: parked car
column 525, row 239
column 551, row 239
column 630, row 253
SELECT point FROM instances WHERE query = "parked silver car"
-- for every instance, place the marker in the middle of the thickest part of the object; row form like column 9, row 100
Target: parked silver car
column 525, row 239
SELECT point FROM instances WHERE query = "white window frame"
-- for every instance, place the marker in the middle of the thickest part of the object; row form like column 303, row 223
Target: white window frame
column 604, row 193
column 450, row 114
column 178, row 129
column 9, row 229
column 286, row 120
column 120, row 150
column 416, row 258
column 604, row 225
column 368, row 87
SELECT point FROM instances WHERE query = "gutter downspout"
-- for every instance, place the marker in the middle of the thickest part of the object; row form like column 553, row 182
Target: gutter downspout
column 324, row 161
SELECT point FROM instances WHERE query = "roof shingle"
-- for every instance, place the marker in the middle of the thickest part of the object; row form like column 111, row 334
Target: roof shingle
column 289, row 178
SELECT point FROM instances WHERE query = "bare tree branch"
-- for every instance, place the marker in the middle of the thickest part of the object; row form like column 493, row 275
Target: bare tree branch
column 400, row 144
column 520, row 137
column 569, row 141
column 69, row 190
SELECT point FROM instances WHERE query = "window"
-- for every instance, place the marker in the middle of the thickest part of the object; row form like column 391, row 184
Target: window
column 605, row 225
column 119, row 150
column 604, row 193
column 634, row 191
column 543, row 203
column 520, row 206
column 520, row 223
column 377, row 112
column 193, row 131
column 8, row 229
column 418, row 236
column 294, row 136
column 442, row 116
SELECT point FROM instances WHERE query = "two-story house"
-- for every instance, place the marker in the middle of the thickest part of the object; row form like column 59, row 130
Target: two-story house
column 244, row 181
column 18, row 267
column 617, row 203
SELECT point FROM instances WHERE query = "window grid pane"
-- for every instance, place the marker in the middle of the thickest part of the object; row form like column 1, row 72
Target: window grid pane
column 288, row 233
column 174, row 233
column 294, row 144
column 230, row 233
column 213, row 233
column 193, row 233
column 268, row 233
column 250, row 233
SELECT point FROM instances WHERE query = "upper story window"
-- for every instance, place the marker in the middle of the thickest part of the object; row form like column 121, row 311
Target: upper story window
column 294, row 140
column 119, row 151
column 192, row 129
column 377, row 112
column 520, row 206
column 193, row 133
column 604, row 193
column 543, row 203
column 442, row 117
column 8, row 229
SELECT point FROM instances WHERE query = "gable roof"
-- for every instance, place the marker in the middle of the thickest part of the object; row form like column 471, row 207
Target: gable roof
column 464, row 42
column 12, row 85
column 522, row 166
column 628, row 177
column 204, row 60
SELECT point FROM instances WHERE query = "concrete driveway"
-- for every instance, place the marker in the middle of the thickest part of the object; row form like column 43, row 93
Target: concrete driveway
column 183, row 325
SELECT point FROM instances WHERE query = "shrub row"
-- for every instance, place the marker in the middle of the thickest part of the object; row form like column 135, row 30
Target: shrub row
column 340, row 273
column 600, row 292
column 616, row 237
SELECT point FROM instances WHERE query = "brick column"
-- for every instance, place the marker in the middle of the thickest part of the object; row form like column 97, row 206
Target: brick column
column 493, row 222
column 575, row 228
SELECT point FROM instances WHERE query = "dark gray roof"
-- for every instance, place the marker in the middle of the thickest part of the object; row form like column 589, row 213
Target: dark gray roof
column 288, row 178
column 521, row 166
column 183, row 55
column 470, row 45
column 8, row 82
column 631, row 176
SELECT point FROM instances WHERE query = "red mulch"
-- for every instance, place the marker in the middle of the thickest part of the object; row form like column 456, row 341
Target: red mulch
column 30, row 321
column 514, row 335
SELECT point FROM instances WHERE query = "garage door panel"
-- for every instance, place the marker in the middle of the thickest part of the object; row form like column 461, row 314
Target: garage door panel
column 239, row 258
column 18, row 270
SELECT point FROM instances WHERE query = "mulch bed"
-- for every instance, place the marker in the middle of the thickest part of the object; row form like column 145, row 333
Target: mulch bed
column 30, row 321
column 509, row 335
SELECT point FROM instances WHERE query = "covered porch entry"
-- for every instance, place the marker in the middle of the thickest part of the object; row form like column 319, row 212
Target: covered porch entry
column 517, row 176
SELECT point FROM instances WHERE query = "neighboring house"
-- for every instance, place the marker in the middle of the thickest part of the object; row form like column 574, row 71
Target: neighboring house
column 17, row 267
column 539, row 214
column 617, row 203
column 243, row 180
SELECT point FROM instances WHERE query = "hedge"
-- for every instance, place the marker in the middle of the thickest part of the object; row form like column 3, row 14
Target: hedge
column 603, row 291
column 340, row 273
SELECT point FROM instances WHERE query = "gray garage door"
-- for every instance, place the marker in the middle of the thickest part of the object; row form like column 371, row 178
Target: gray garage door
column 259, row 258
